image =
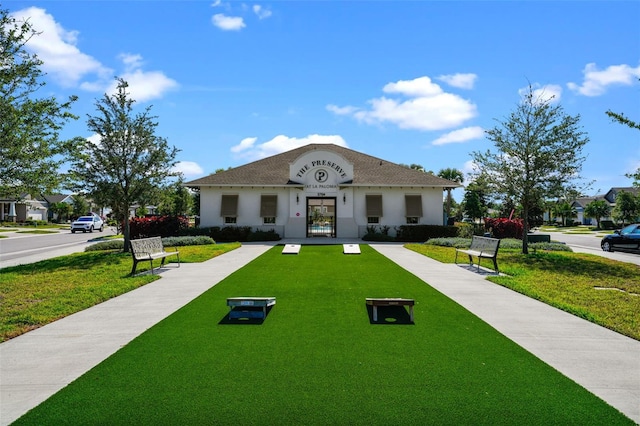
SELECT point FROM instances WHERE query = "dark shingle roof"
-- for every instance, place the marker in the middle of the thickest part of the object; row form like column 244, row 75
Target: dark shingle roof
column 367, row 170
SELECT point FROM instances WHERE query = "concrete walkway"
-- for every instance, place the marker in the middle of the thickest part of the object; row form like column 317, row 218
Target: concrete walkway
column 36, row 365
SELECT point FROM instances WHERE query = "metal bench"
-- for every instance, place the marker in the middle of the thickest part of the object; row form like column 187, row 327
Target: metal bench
column 150, row 249
column 390, row 301
column 482, row 247
column 242, row 307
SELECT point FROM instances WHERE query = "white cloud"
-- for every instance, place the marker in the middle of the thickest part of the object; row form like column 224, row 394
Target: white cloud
column 597, row 81
column 68, row 66
column 228, row 23
column 550, row 93
column 460, row 135
column 95, row 139
column 261, row 12
column 245, row 144
column 247, row 150
column 346, row 110
column 428, row 107
column 188, row 168
column 459, row 80
column 422, row 86
column 143, row 85
column 56, row 47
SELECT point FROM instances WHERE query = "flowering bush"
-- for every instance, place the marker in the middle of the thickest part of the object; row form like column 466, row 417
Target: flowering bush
column 504, row 228
column 156, row 226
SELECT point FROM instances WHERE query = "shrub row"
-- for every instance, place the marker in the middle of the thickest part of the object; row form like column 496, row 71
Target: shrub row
column 233, row 233
column 507, row 243
column 417, row 233
column 157, row 226
column 167, row 242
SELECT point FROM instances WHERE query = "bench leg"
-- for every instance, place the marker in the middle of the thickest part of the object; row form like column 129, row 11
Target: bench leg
column 375, row 313
column 135, row 265
column 411, row 313
column 495, row 264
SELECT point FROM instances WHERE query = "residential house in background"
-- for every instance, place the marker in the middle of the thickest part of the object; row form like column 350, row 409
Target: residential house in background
column 579, row 204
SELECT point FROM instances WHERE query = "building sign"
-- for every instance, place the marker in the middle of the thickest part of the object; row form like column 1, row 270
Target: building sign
column 321, row 171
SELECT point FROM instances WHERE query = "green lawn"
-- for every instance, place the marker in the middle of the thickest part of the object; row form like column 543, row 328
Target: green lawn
column 36, row 294
column 318, row 359
column 592, row 287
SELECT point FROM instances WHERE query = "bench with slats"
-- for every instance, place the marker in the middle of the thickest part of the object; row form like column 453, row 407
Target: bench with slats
column 482, row 247
column 150, row 249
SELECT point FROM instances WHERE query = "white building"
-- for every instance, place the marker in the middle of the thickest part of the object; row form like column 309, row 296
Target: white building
column 321, row 190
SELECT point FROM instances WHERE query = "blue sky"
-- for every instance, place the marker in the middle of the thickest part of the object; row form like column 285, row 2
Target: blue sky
column 409, row 82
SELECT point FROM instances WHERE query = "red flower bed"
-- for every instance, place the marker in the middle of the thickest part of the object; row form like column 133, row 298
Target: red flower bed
column 157, row 226
column 504, row 228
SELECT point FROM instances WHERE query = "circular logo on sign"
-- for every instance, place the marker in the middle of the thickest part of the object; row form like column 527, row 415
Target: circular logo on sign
column 322, row 175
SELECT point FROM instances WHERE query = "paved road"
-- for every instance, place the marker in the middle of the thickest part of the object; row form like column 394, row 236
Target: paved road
column 590, row 243
column 20, row 248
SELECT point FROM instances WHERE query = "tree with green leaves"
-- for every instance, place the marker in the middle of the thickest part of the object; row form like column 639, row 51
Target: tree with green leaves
column 538, row 152
column 597, row 209
column 31, row 151
column 129, row 161
column 474, row 201
column 80, row 205
column 175, row 200
column 61, row 210
column 454, row 175
column 627, row 207
column 565, row 211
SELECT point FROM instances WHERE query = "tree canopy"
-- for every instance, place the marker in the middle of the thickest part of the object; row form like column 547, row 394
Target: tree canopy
column 597, row 209
column 129, row 162
column 538, row 152
column 31, row 151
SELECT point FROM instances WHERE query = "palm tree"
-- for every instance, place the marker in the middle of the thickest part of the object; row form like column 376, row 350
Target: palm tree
column 454, row 175
column 597, row 209
column 565, row 211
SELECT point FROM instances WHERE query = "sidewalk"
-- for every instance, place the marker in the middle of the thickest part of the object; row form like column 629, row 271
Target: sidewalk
column 36, row 365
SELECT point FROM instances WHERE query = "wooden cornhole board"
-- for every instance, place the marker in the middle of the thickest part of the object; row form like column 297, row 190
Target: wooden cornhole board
column 243, row 307
column 291, row 249
column 351, row 248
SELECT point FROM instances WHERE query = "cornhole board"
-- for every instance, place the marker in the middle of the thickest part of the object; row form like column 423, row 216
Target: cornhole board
column 390, row 301
column 244, row 307
column 351, row 248
column 291, row 249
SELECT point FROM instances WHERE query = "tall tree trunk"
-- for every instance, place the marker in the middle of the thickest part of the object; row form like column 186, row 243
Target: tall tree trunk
column 125, row 229
column 525, row 230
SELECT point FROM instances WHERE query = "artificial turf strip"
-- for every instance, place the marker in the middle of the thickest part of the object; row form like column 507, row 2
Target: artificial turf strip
column 318, row 359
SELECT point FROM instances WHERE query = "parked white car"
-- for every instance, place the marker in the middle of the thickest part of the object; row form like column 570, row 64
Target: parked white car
column 87, row 223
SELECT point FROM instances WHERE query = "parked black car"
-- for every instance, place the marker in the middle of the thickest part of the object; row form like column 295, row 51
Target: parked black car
column 626, row 239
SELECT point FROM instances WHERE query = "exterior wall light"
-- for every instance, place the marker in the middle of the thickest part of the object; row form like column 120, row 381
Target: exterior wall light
column 297, row 199
column 344, row 198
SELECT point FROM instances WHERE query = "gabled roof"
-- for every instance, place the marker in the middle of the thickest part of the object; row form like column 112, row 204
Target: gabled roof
column 584, row 201
column 57, row 198
column 367, row 170
column 613, row 192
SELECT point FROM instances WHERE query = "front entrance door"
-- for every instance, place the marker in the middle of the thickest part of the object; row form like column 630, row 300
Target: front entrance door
column 321, row 217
